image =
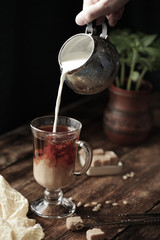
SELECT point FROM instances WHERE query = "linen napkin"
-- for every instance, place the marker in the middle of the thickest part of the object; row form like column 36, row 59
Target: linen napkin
column 14, row 224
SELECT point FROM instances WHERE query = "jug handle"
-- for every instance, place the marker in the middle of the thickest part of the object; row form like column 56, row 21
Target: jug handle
column 91, row 30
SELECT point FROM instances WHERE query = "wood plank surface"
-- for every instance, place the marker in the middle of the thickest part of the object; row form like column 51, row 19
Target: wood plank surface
column 142, row 192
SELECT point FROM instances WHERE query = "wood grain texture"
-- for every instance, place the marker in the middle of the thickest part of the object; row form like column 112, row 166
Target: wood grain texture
column 142, row 192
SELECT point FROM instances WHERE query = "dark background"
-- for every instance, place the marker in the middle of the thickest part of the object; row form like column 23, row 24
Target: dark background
column 31, row 35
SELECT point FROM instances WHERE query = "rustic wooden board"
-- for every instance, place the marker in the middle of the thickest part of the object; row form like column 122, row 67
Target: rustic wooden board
column 142, row 192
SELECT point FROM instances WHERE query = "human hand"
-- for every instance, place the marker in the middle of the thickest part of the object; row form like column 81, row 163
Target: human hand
column 99, row 9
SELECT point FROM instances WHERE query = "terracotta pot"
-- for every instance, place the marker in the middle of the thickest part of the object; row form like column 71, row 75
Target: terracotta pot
column 127, row 119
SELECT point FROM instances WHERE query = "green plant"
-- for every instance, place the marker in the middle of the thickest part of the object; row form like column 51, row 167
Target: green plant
column 139, row 53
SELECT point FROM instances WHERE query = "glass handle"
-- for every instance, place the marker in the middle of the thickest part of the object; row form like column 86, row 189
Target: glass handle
column 87, row 157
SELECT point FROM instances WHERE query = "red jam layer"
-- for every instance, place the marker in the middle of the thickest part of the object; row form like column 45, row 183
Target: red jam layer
column 59, row 149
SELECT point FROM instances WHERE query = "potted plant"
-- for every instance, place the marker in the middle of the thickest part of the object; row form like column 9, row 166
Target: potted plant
column 127, row 118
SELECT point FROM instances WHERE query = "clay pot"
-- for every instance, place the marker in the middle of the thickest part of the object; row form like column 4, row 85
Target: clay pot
column 127, row 119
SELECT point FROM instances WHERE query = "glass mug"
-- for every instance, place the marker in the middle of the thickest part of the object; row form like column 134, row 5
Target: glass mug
column 54, row 157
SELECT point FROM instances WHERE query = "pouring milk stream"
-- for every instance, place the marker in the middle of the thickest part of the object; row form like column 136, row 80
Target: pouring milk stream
column 69, row 62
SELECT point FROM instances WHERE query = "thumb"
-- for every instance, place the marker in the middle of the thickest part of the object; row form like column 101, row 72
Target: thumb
column 91, row 13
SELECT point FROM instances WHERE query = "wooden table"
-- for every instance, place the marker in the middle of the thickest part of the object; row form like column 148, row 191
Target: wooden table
column 142, row 192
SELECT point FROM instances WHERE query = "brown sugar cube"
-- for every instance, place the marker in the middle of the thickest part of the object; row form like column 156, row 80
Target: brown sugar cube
column 74, row 223
column 98, row 151
column 113, row 157
column 106, row 160
column 97, row 160
column 95, row 234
